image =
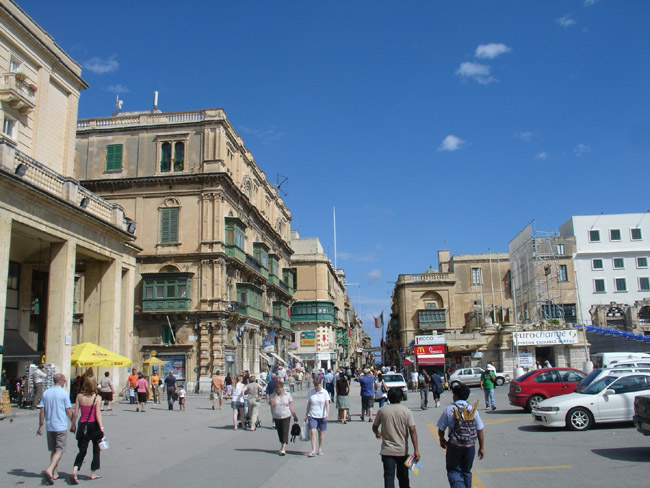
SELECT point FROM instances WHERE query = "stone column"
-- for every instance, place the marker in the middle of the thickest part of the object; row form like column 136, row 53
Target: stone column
column 5, row 244
column 58, row 338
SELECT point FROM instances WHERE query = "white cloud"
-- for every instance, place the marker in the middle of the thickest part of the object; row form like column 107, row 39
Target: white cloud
column 565, row 21
column 491, row 51
column 525, row 136
column 541, row 155
column 589, row 3
column 118, row 89
column 476, row 71
column 265, row 135
column 101, row 66
column 581, row 149
column 374, row 275
column 451, row 143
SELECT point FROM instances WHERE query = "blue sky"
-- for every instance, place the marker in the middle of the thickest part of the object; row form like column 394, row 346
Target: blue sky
column 428, row 125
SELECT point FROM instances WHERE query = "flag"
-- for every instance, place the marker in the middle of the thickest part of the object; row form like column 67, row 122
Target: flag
column 289, row 309
column 240, row 333
column 349, row 329
column 379, row 321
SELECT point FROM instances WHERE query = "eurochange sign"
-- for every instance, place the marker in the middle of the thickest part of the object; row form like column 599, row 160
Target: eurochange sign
column 546, row 337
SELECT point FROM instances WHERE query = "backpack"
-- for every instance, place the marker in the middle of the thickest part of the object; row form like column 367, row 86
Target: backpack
column 295, row 432
column 463, row 433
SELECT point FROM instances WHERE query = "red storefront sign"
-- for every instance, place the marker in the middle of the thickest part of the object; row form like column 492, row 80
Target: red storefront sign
column 430, row 355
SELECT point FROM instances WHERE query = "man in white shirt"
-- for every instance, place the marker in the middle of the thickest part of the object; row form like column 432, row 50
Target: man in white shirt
column 39, row 377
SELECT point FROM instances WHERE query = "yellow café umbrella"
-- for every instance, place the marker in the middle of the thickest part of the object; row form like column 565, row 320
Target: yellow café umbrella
column 153, row 361
column 88, row 354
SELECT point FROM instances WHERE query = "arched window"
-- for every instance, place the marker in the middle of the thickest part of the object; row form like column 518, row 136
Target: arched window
column 179, row 156
column 616, row 318
column 644, row 316
column 165, row 157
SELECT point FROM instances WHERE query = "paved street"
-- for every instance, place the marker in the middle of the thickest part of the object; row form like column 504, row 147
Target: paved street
column 199, row 447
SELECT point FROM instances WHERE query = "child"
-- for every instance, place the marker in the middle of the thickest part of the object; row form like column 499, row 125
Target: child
column 181, row 398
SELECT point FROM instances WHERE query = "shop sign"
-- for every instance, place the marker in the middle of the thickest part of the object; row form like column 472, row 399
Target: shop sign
column 546, row 337
column 230, row 358
column 175, row 363
column 308, row 338
column 427, row 350
column 526, row 359
column 430, row 340
column 323, row 356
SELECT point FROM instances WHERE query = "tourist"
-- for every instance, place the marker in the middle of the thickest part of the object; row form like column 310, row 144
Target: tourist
column 90, row 428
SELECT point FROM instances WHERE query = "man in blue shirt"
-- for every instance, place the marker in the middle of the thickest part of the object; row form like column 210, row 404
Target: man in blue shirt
column 367, row 382
column 329, row 383
column 460, row 445
column 55, row 411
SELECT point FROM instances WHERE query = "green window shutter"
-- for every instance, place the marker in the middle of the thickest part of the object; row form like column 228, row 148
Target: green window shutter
column 169, row 225
column 113, row 157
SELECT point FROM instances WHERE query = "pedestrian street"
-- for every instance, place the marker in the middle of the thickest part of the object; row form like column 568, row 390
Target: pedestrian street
column 199, row 447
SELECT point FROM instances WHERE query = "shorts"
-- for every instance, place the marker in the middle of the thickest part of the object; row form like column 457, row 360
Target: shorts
column 236, row 405
column 181, row 401
column 142, row 397
column 107, row 396
column 367, row 401
column 318, row 424
column 217, row 395
column 56, row 440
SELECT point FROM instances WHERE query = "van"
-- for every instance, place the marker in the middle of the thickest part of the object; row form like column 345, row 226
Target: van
column 604, row 359
column 613, row 370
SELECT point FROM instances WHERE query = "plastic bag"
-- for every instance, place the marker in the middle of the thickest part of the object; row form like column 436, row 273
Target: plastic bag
column 304, row 432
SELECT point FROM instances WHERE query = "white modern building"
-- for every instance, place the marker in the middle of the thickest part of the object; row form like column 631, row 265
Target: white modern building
column 611, row 266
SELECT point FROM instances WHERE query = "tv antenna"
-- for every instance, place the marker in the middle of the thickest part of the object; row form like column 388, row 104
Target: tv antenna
column 118, row 103
column 278, row 185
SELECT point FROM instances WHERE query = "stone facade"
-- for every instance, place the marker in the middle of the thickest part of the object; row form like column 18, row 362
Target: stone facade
column 67, row 259
column 214, row 233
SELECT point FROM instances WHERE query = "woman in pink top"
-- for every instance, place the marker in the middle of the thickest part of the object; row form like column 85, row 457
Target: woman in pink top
column 142, row 389
column 90, row 429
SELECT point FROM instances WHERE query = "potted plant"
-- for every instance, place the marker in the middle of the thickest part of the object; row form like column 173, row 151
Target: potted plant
column 33, row 87
column 20, row 76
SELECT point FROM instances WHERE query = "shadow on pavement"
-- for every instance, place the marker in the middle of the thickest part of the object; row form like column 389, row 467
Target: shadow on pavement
column 274, row 452
column 630, row 454
column 537, row 428
column 24, row 474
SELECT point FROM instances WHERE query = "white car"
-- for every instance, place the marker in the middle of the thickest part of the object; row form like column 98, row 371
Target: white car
column 396, row 380
column 608, row 399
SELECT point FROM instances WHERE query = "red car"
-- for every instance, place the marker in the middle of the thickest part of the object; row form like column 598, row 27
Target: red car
column 537, row 385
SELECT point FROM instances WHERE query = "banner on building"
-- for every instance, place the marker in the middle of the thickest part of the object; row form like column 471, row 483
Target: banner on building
column 546, row 337
column 430, row 355
column 268, row 344
column 430, row 340
column 308, row 339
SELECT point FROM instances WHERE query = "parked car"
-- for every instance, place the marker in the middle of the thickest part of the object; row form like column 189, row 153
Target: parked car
column 609, row 399
column 396, row 380
column 642, row 414
column 472, row 377
column 615, row 369
column 604, row 359
column 539, row 384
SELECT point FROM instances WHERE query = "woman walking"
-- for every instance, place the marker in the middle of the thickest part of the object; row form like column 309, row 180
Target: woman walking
column 237, row 402
column 318, row 409
column 282, row 408
column 106, row 391
column 228, row 382
column 381, row 390
column 342, row 398
column 142, row 389
column 253, row 392
column 90, row 429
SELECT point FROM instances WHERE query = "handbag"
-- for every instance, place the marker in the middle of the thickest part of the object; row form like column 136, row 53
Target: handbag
column 304, row 432
column 295, row 431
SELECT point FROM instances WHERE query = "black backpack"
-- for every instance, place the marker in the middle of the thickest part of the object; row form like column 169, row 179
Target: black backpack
column 463, row 433
column 295, row 432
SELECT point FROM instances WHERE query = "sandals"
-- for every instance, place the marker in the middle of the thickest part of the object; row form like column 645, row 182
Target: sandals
column 49, row 479
column 74, row 480
column 312, row 454
column 96, row 477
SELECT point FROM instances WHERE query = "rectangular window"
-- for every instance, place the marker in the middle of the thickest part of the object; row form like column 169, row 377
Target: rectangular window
column 635, row 234
column 599, row 286
column 9, row 127
column 563, row 274
column 620, row 284
column 596, row 264
column 169, row 224
column 644, row 284
column 642, row 262
column 13, row 284
column 14, row 65
column 114, row 157
column 476, row 276
column 560, row 249
column 619, row 263
column 614, row 234
column 594, row 236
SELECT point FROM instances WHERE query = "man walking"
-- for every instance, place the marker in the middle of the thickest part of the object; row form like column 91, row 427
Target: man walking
column 487, row 385
column 170, row 386
column 397, row 424
column 329, row 383
column 465, row 426
column 39, row 376
column 132, row 379
column 424, row 380
column 217, row 389
column 367, row 383
column 56, row 407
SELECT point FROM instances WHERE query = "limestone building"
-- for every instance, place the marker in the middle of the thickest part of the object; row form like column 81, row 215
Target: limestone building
column 326, row 327
column 67, row 258
column 214, row 277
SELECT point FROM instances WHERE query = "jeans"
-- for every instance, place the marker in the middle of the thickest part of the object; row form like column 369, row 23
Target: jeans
column 424, row 397
column 489, row 397
column 459, row 466
column 392, row 464
column 381, row 401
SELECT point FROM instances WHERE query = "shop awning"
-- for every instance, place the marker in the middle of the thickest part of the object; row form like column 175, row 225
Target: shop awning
column 264, row 356
column 431, row 360
column 408, row 361
column 16, row 348
column 465, row 346
column 278, row 357
column 297, row 358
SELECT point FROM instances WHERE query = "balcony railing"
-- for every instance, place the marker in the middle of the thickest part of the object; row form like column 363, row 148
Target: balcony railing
column 166, row 304
column 67, row 189
column 150, row 118
column 248, row 311
column 234, row 252
column 20, row 95
column 426, row 277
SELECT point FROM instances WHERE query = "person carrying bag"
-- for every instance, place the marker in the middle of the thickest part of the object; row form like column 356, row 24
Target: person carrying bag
column 90, row 428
